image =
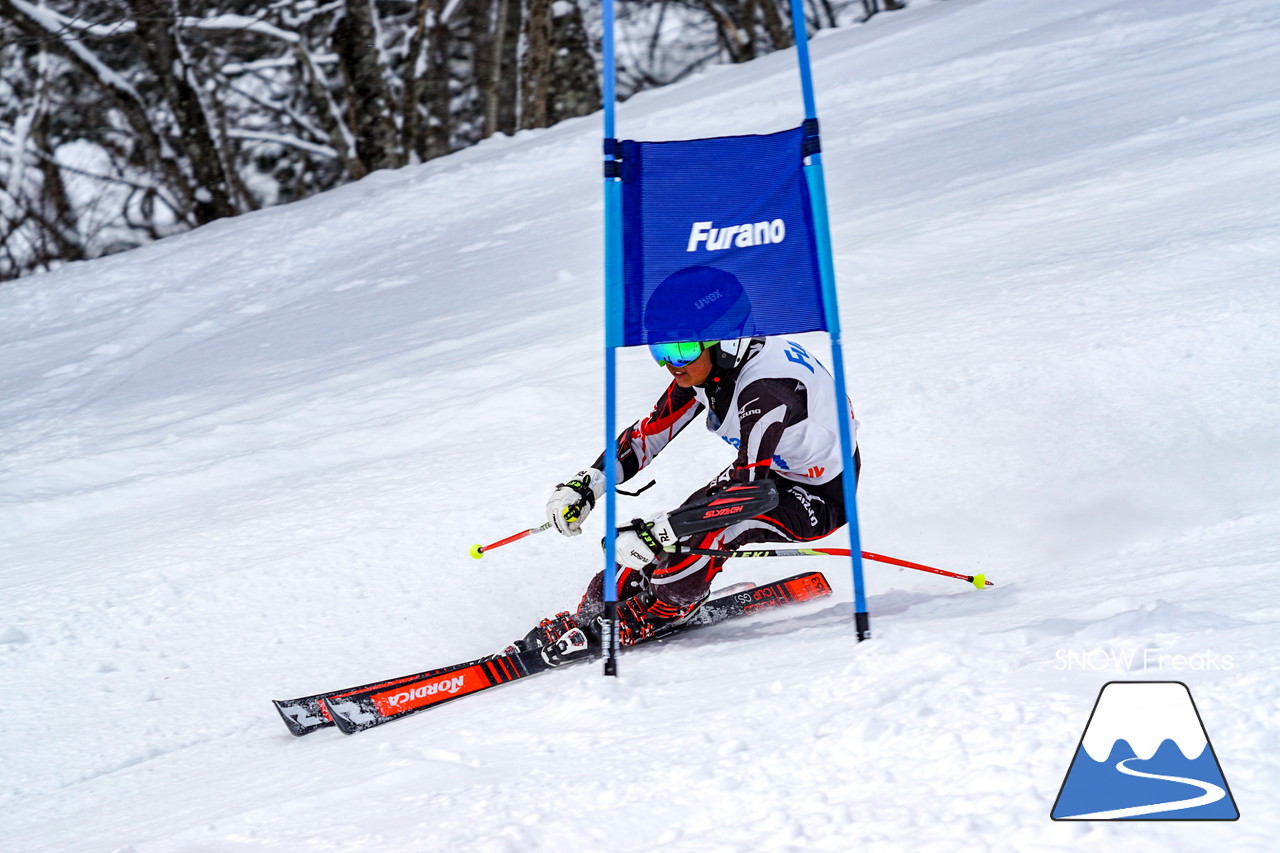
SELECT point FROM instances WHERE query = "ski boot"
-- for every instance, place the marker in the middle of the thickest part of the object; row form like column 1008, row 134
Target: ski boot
column 644, row 616
column 573, row 645
column 560, row 639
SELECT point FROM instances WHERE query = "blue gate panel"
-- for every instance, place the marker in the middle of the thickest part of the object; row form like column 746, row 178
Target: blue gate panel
column 718, row 240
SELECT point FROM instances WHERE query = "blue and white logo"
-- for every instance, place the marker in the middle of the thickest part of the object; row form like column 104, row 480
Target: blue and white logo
column 1145, row 755
column 743, row 236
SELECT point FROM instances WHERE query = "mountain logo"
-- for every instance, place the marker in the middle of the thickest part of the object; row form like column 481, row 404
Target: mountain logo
column 1145, row 755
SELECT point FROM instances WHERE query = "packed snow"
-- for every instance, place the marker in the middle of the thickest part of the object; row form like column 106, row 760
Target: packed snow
column 248, row 462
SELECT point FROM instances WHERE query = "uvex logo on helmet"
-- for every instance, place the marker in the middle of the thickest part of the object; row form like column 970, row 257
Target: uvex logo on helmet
column 742, row 236
column 713, row 296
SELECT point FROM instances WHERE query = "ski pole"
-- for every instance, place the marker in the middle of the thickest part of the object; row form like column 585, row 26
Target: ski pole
column 477, row 551
column 979, row 581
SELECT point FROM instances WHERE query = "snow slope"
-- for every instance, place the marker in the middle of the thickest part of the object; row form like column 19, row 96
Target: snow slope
column 247, row 463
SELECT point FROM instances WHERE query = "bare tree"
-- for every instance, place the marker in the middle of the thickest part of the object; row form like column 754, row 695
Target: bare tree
column 575, row 80
column 359, row 50
column 535, row 68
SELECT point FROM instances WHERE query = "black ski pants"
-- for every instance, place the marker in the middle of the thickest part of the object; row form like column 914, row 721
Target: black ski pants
column 804, row 513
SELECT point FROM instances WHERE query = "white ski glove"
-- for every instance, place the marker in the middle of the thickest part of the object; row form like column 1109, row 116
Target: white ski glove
column 637, row 548
column 571, row 502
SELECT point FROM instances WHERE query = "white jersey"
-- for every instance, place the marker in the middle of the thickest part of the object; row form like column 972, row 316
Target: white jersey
column 777, row 409
column 781, row 385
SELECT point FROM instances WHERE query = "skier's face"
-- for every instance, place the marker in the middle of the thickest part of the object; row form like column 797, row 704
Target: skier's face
column 693, row 373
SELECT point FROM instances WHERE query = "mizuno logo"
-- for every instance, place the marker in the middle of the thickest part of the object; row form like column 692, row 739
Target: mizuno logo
column 447, row 685
column 803, row 497
column 704, row 235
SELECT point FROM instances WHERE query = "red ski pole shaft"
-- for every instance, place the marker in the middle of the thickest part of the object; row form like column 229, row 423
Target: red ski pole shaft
column 979, row 581
column 477, row 551
column 920, row 567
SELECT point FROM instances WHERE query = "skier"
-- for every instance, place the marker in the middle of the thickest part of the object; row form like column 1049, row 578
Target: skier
column 771, row 400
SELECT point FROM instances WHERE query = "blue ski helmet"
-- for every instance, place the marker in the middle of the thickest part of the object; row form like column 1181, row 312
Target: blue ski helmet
column 697, row 303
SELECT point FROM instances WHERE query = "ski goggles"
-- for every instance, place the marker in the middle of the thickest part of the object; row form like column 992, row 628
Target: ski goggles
column 678, row 354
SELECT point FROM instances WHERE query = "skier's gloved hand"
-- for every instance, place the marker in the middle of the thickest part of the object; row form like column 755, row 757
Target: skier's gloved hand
column 571, row 502
column 638, row 544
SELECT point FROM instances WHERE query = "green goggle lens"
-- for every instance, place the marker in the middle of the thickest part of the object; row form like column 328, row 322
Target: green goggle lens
column 677, row 354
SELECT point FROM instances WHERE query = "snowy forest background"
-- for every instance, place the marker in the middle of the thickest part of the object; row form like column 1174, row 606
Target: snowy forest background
column 123, row 121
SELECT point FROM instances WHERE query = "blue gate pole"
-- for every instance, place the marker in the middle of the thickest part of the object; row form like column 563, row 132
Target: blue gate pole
column 612, row 340
column 827, row 272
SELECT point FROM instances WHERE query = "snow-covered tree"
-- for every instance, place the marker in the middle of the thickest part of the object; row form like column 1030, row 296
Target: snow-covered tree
column 122, row 121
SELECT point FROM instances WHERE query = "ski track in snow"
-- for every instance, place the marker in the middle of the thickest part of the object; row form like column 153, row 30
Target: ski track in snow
column 247, row 463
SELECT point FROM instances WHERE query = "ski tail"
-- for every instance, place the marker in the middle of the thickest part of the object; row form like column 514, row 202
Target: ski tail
column 792, row 590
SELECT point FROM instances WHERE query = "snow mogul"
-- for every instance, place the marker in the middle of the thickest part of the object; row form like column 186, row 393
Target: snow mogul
column 770, row 400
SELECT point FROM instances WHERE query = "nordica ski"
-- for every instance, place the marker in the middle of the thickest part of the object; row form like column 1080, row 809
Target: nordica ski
column 359, row 708
column 308, row 714
column 357, row 711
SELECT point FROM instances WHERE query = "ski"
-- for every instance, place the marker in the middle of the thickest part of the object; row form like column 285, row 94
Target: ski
column 307, row 714
column 357, row 709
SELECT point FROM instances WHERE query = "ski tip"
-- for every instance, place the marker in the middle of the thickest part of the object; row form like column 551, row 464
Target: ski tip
column 299, row 720
column 477, row 551
column 341, row 711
